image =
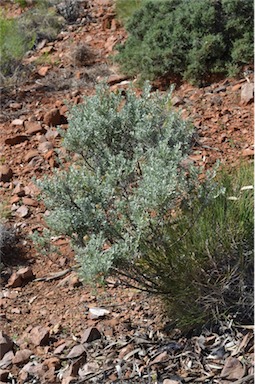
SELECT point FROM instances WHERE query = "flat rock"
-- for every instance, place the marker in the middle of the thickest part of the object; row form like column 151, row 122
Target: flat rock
column 59, row 349
column 30, row 202
column 76, row 351
column 17, row 122
column 6, row 173
column 90, row 334
column 22, row 211
column 97, row 313
column 5, row 344
column 176, row 101
column 22, row 356
column 247, row 93
column 33, row 127
column 31, row 369
column 233, row 369
column 31, row 154
column 17, row 139
column 39, row 335
column 6, row 360
column 115, row 79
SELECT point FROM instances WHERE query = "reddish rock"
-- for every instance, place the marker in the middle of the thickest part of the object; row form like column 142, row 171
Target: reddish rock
column 90, row 334
column 52, row 362
column 30, row 202
column 26, row 273
column 33, row 127
column 53, row 118
column 6, row 173
column 19, row 190
column 237, row 86
column 31, row 154
column 14, row 199
column 15, row 281
column 248, row 153
column 14, row 140
column 39, row 335
column 5, row 344
column 43, row 71
column 18, row 278
column 22, row 357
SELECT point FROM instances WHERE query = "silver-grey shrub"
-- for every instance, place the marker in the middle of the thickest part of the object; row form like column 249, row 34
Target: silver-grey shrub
column 118, row 196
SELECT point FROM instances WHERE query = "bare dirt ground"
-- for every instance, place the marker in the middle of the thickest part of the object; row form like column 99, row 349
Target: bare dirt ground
column 46, row 314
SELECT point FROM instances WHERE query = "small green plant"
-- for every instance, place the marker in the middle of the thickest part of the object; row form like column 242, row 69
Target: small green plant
column 41, row 21
column 191, row 39
column 22, row 3
column 13, row 45
column 45, row 58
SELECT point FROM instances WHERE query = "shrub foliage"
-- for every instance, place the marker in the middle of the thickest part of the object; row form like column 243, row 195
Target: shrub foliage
column 131, row 203
column 188, row 38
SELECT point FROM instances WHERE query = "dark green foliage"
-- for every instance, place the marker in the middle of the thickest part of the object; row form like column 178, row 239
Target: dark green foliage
column 192, row 38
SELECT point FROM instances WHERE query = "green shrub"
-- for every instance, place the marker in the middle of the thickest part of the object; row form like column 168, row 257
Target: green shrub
column 41, row 21
column 133, row 205
column 128, row 177
column 192, row 39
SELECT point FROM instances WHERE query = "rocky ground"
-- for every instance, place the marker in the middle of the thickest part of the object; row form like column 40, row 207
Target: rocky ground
column 54, row 329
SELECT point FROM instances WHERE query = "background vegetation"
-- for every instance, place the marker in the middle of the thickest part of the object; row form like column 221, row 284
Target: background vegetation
column 21, row 34
column 192, row 39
